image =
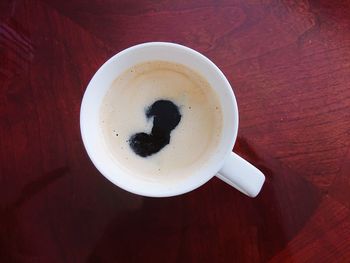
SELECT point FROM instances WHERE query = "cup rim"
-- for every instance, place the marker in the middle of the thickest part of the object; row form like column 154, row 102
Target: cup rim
column 182, row 190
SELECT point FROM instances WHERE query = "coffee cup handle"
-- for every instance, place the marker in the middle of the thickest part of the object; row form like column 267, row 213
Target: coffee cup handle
column 242, row 175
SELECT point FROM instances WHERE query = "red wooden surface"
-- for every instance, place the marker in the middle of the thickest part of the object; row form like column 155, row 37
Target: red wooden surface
column 289, row 63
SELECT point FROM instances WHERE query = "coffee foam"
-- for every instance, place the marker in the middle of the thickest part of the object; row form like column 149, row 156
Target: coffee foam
column 122, row 114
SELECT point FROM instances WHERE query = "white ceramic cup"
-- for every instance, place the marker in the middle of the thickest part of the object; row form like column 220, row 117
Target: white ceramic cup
column 223, row 163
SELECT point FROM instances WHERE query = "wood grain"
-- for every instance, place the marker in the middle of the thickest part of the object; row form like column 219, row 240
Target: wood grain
column 289, row 64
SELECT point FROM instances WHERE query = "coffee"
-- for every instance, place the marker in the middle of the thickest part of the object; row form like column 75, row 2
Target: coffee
column 160, row 120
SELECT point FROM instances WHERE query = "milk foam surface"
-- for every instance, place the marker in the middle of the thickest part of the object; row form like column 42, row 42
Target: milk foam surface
column 194, row 139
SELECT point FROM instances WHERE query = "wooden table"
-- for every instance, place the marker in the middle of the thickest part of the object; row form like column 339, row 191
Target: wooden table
column 289, row 64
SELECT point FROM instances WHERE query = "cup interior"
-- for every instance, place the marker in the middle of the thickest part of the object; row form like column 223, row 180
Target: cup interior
column 101, row 82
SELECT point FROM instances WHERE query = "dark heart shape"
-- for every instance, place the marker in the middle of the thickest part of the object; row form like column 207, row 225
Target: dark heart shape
column 166, row 116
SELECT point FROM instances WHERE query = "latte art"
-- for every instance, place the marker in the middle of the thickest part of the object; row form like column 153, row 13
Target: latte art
column 160, row 120
column 166, row 117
